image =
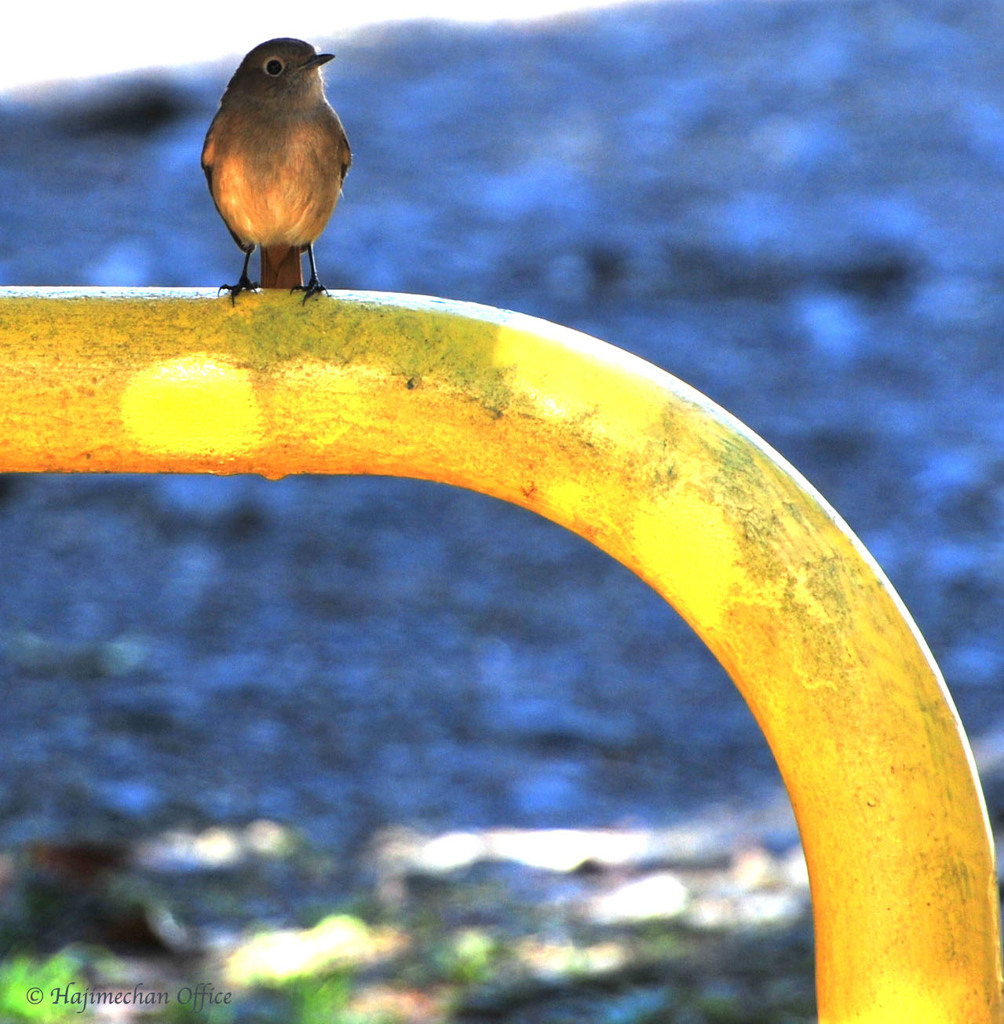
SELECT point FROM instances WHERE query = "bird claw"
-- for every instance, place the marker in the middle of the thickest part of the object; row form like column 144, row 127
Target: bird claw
column 312, row 287
column 245, row 284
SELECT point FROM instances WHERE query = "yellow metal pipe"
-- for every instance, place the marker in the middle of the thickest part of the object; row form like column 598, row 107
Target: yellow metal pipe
column 864, row 731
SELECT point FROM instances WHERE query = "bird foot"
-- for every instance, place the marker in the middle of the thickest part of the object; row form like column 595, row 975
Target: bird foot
column 312, row 287
column 245, row 284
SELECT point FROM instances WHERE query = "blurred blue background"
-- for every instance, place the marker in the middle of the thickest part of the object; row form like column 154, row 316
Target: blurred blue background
column 793, row 205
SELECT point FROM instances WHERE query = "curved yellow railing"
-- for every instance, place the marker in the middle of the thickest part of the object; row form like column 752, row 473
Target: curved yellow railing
column 865, row 734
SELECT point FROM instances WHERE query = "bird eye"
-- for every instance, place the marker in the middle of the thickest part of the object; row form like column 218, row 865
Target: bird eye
column 274, row 67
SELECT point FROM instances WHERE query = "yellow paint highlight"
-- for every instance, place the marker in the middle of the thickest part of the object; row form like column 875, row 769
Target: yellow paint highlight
column 563, row 391
column 877, row 766
column 700, row 551
column 193, row 405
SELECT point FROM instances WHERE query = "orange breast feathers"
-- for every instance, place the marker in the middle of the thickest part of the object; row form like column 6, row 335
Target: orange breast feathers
column 268, row 201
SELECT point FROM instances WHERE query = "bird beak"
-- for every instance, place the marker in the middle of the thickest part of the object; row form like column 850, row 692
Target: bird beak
column 316, row 61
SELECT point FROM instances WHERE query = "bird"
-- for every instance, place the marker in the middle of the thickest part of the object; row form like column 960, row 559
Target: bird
column 275, row 157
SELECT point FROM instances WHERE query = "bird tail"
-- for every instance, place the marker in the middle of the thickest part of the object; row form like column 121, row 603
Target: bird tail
column 280, row 266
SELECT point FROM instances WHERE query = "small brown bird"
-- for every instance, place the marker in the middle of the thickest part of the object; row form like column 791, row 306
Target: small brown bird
column 275, row 157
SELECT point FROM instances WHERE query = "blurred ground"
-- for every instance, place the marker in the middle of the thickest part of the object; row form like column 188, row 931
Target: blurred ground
column 793, row 206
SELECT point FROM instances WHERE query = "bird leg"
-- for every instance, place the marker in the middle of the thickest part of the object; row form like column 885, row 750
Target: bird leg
column 313, row 286
column 245, row 284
